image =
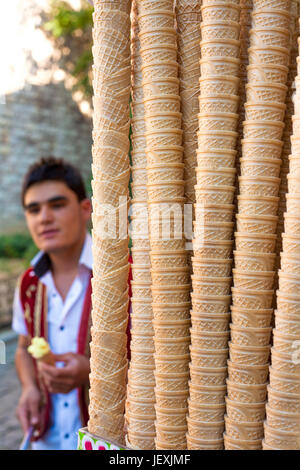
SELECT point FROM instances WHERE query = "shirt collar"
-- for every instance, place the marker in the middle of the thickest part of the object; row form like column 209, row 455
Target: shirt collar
column 41, row 261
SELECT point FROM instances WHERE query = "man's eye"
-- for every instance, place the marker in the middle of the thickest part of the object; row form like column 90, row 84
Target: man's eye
column 58, row 205
column 33, row 210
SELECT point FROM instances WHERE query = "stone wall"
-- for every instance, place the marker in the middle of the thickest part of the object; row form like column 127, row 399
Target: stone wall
column 7, row 289
column 39, row 115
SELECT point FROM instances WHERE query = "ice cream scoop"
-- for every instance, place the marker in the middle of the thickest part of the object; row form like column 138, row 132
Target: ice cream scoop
column 40, row 350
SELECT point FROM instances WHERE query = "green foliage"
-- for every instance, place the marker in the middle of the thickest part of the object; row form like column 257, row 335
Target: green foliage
column 72, row 32
column 18, row 245
column 66, row 21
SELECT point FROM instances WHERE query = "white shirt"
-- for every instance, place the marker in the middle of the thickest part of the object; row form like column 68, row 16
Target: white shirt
column 63, row 325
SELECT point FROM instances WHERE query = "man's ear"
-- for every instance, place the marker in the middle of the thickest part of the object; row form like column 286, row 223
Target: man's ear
column 86, row 207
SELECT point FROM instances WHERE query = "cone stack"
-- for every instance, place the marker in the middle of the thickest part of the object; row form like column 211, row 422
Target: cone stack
column 282, row 429
column 111, row 52
column 288, row 129
column 245, row 26
column 213, row 226
column 165, row 186
column 252, row 294
column 140, row 410
column 188, row 18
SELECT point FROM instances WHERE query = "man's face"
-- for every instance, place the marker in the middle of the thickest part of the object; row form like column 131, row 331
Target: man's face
column 55, row 218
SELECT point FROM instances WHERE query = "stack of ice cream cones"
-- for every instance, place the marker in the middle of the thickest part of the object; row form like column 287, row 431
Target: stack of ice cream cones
column 165, row 186
column 282, row 427
column 188, row 17
column 213, row 226
column 252, row 294
column 245, row 25
column 140, row 410
column 111, row 52
column 286, row 150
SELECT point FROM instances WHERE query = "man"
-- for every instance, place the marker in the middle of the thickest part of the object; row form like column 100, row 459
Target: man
column 53, row 300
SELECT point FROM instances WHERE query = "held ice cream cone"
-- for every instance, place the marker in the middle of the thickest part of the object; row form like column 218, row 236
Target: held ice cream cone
column 40, row 350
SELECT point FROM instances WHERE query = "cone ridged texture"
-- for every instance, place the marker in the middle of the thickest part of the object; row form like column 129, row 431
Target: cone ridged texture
column 245, row 26
column 253, row 276
column 140, row 411
column 188, row 18
column 282, row 429
column 213, row 226
column 214, row 120
column 165, row 192
column 111, row 53
column 286, row 149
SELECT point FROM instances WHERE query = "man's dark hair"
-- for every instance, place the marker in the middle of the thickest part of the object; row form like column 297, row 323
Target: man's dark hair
column 54, row 169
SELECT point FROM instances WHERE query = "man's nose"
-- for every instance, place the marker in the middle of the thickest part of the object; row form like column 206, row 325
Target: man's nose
column 45, row 214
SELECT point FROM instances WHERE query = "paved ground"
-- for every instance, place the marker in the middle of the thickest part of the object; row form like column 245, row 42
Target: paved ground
column 10, row 432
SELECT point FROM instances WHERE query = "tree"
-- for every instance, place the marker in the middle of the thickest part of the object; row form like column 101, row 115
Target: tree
column 71, row 30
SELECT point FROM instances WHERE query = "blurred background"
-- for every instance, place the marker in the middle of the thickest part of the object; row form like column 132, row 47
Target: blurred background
column 45, row 109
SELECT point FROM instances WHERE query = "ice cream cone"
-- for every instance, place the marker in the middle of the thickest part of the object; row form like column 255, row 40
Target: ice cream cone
column 219, row 103
column 246, row 393
column 216, row 159
column 162, row 103
column 220, row 12
column 254, row 148
column 213, row 249
column 211, row 286
column 204, row 444
column 265, row 224
column 207, row 395
column 261, row 186
column 250, row 336
column 243, row 430
column 249, row 354
column 254, row 280
column 209, row 340
column 279, row 439
column 241, row 444
column 223, row 177
column 210, row 304
column 210, row 322
column 214, row 194
column 171, row 312
column 252, row 374
column 211, row 267
column 257, row 111
column 255, row 243
column 204, row 430
column 40, row 350
column 219, row 66
column 266, row 92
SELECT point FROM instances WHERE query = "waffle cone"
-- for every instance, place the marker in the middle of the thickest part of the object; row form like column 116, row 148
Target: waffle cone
column 219, row 103
column 247, row 374
column 48, row 358
column 204, row 444
column 104, row 424
column 244, row 430
column 205, row 412
column 140, row 441
column 240, row 444
column 204, row 430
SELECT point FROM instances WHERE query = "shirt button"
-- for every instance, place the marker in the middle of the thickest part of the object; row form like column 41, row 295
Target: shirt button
column 66, row 405
column 67, row 436
column 62, row 328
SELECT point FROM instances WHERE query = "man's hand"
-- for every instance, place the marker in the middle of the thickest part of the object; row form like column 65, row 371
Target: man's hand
column 74, row 374
column 28, row 410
